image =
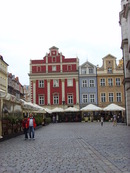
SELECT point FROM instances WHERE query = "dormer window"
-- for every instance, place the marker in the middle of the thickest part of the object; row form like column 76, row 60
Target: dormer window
column 109, row 70
column 83, row 70
column 90, row 70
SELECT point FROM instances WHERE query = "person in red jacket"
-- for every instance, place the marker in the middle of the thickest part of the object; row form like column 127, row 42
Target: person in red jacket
column 32, row 125
column 25, row 125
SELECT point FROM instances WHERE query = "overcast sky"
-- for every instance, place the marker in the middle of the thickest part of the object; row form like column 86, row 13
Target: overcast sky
column 87, row 29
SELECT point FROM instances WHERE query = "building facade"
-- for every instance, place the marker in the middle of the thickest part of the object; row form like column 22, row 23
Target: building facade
column 54, row 80
column 125, row 45
column 3, row 75
column 109, row 82
column 27, row 93
column 87, row 84
column 14, row 86
column 3, row 85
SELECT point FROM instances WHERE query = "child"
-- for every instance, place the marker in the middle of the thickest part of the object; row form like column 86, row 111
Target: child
column 25, row 125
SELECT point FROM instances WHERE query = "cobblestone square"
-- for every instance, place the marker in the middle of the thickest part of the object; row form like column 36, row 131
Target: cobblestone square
column 69, row 148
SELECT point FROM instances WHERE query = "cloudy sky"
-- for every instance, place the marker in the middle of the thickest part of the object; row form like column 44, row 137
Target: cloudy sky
column 88, row 29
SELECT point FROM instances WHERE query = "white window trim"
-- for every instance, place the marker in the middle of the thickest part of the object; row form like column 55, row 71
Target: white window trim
column 111, row 97
column 70, row 85
column 102, row 97
column 43, row 99
column 56, row 83
column 103, row 82
column 41, row 85
column 69, row 99
column 92, row 83
column 83, row 99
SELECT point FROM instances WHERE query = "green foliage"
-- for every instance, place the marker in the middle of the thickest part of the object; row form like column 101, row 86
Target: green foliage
column 38, row 119
column 47, row 120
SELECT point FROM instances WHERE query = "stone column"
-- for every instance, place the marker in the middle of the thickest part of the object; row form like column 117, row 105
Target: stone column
column 63, row 89
column 34, row 91
column 77, row 91
column 48, row 91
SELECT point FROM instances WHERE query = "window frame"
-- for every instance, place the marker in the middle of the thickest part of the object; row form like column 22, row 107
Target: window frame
column 91, row 84
column 118, row 98
column 55, row 99
column 41, row 98
column 84, row 83
column 102, row 82
column 69, row 82
column 53, row 67
column 111, row 97
column 55, row 83
column 41, row 84
column 118, row 83
column 110, row 81
column 103, row 97
column 84, row 100
column 70, row 99
column 92, row 100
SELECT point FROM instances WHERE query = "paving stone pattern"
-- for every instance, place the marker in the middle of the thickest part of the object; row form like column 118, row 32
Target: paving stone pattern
column 69, row 148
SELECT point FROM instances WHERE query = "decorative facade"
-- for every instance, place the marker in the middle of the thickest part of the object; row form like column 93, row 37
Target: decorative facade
column 54, row 80
column 14, row 86
column 110, row 82
column 87, row 84
column 125, row 45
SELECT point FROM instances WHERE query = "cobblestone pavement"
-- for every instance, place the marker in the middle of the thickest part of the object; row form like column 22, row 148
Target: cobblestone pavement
column 69, row 148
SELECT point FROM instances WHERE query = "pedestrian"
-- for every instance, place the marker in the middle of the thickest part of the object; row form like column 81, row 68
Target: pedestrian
column 54, row 119
column 25, row 125
column 102, row 119
column 32, row 125
column 114, row 120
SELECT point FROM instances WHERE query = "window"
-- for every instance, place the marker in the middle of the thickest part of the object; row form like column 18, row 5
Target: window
column 55, row 99
column 84, row 98
column 83, row 71
column 90, row 70
column 84, row 83
column 110, row 97
column 118, row 97
column 70, row 99
column 110, row 82
column 53, row 68
column 109, row 70
column 69, row 82
column 103, row 97
column 53, row 59
column 41, row 83
column 92, row 98
column 69, row 67
column 118, row 82
column 55, row 83
column 53, row 52
column 41, row 100
column 91, row 83
column 102, row 82
column 38, row 69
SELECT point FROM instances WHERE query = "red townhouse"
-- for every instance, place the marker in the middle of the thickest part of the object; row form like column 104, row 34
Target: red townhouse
column 54, row 80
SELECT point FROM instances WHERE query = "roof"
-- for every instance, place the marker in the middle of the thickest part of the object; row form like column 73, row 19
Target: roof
column 53, row 47
column 1, row 57
column 109, row 55
column 87, row 62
